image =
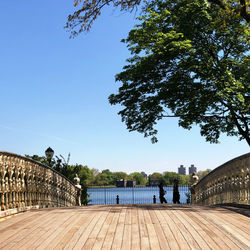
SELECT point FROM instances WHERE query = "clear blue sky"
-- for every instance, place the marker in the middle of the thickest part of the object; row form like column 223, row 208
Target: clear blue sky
column 54, row 92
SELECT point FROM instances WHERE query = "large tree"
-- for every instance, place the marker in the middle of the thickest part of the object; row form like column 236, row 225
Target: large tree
column 88, row 10
column 190, row 60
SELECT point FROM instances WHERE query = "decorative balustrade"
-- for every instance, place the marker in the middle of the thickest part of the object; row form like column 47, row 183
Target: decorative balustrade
column 227, row 184
column 26, row 183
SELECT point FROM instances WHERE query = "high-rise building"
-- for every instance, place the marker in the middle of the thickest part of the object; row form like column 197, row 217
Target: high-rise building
column 192, row 169
column 182, row 170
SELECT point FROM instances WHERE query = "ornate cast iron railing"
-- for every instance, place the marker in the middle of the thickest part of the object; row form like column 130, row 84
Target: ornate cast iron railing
column 227, row 184
column 26, row 183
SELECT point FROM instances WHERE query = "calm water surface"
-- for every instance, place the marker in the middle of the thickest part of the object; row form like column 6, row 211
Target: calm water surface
column 137, row 195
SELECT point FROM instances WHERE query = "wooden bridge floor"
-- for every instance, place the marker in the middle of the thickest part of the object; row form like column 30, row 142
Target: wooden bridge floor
column 127, row 227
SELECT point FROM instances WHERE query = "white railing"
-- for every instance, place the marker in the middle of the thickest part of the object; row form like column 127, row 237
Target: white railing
column 227, row 184
column 26, row 183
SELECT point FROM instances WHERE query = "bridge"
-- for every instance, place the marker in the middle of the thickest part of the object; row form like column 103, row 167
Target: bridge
column 218, row 217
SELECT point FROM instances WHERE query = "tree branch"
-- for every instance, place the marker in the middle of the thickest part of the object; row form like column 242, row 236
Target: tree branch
column 243, row 11
column 219, row 3
column 243, row 8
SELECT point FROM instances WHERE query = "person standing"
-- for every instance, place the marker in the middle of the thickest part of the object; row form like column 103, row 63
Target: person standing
column 162, row 192
column 176, row 194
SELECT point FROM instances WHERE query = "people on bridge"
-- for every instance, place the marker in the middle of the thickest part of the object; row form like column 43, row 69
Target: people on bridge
column 162, row 192
column 176, row 194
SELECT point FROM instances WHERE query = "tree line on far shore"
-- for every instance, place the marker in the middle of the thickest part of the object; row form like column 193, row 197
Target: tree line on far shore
column 93, row 177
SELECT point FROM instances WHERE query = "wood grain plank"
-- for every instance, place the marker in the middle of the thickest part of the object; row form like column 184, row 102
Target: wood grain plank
column 240, row 221
column 126, row 242
column 14, row 220
column 191, row 229
column 153, row 239
column 184, row 230
column 102, row 234
column 210, row 230
column 107, row 244
column 172, row 242
column 135, row 240
column 158, row 229
column 12, row 228
column 235, row 233
column 67, row 232
column 203, row 236
column 86, row 230
column 229, row 230
column 33, row 234
column 117, row 242
column 51, row 231
column 61, row 233
column 215, row 231
column 144, row 239
column 149, row 226
column 93, row 235
column 175, row 230
column 23, row 231
column 82, row 224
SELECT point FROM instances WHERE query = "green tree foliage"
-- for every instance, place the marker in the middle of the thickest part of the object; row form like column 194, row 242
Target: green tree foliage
column 120, row 176
column 138, row 177
column 156, row 176
column 41, row 159
column 169, row 178
column 85, row 174
column 88, row 10
column 190, row 60
column 57, row 163
column 187, row 179
column 62, row 166
column 102, row 180
column 106, row 177
column 89, row 177
column 203, row 173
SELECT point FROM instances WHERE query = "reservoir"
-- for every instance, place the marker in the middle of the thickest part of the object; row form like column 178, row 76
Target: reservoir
column 134, row 195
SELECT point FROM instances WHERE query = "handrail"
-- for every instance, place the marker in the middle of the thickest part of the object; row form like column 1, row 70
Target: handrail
column 39, row 163
column 226, row 184
column 25, row 182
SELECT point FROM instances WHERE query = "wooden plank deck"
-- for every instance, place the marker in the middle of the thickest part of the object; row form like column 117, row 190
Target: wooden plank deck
column 149, row 226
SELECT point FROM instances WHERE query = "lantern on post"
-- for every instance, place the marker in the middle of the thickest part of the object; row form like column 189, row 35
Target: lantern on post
column 49, row 154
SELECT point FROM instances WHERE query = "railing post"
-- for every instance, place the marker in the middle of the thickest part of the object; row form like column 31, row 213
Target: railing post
column 2, row 202
column 79, row 190
column 193, row 192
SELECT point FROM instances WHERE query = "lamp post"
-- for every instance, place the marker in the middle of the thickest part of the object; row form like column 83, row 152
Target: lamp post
column 49, row 154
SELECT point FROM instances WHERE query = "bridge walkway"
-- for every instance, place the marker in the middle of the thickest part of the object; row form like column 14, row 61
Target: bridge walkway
column 147, row 226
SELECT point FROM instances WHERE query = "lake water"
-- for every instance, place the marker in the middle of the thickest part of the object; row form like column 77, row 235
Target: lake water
column 136, row 195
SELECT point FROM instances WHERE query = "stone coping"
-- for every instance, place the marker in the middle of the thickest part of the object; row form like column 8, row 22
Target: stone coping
column 239, row 158
column 17, row 210
column 36, row 162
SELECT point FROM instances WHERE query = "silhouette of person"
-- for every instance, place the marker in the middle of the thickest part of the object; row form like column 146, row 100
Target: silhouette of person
column 176, row 194
column 162, row 192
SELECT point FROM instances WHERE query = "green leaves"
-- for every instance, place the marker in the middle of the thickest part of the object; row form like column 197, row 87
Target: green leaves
column 189, row 60
column 83, row 18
